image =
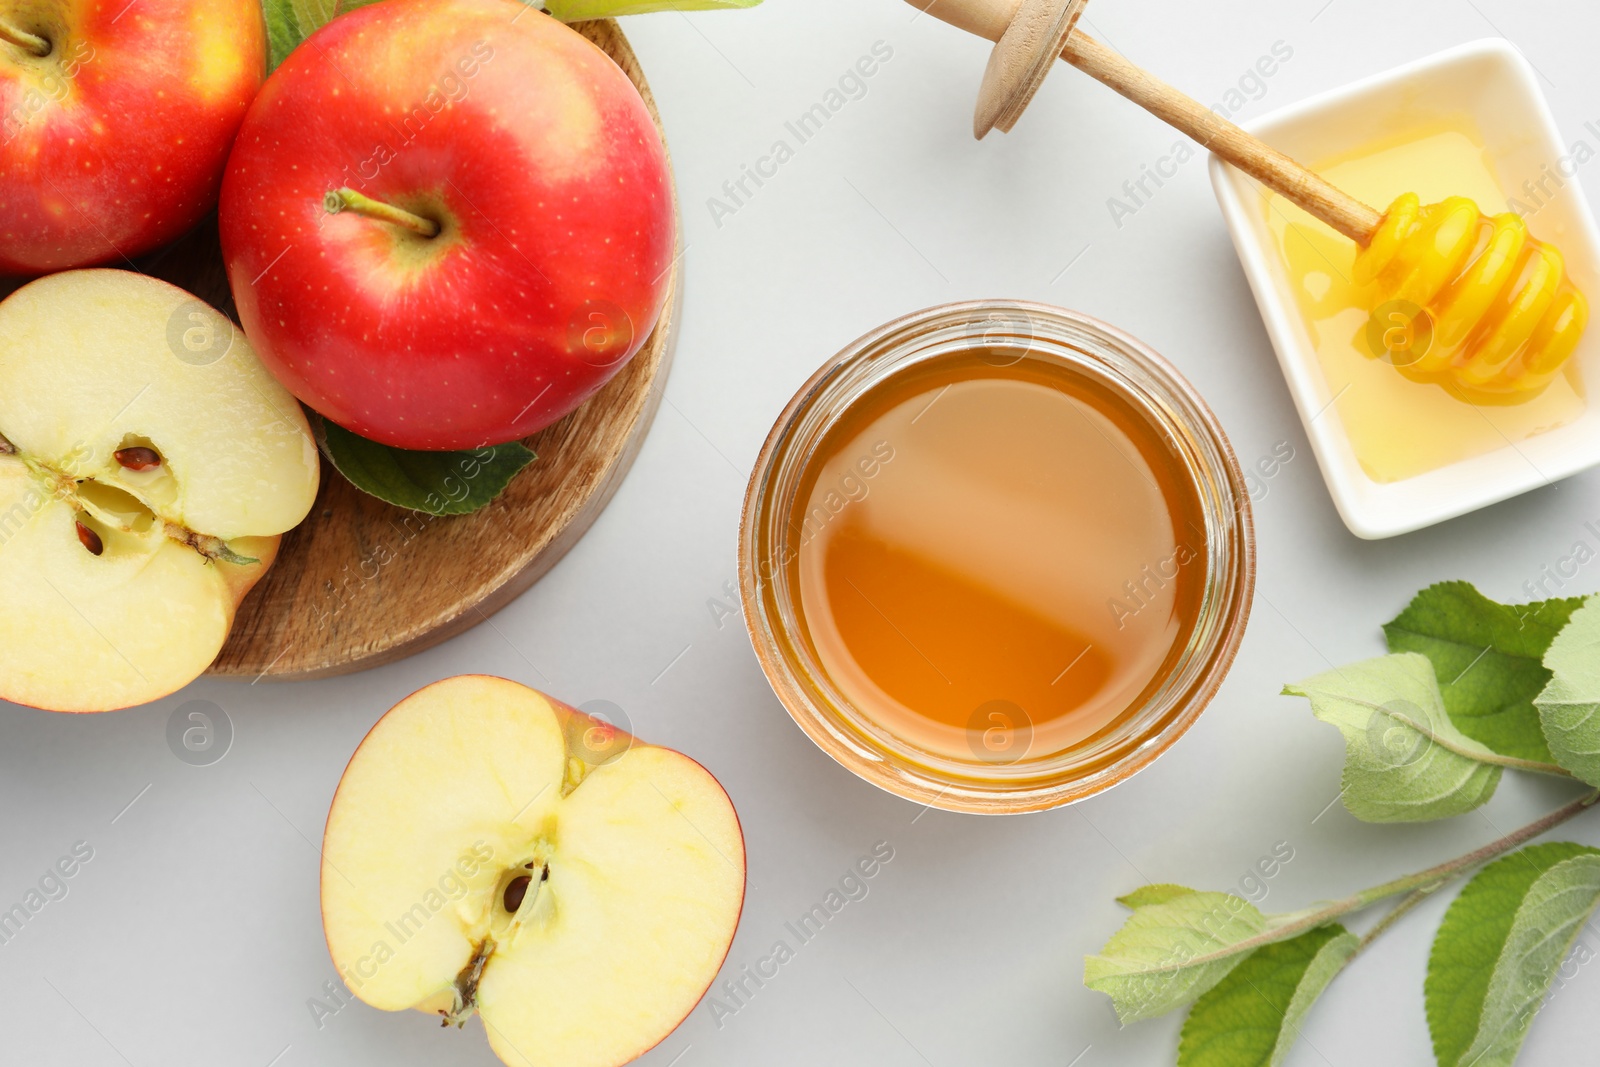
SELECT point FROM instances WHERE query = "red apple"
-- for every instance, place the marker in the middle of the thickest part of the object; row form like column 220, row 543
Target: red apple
column 447, row 222
column 115, row 122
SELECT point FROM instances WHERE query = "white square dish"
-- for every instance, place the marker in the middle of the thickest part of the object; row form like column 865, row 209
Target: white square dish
column 1491, row 86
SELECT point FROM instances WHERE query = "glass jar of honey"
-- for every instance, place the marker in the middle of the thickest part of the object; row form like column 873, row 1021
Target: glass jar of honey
column 996, row 556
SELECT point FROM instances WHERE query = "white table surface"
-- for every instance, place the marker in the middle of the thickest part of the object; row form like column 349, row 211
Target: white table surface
column 193, row 935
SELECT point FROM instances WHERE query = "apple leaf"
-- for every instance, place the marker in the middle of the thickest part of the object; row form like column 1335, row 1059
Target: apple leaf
column 1153, row 894
column 1252, row 1017
column 578, row 10
column 291, row 21
column 1499, row 946
column 1487, row 656
column 1174, row 947
column 438, row 483
column 1405, row 761
column 1569, row 707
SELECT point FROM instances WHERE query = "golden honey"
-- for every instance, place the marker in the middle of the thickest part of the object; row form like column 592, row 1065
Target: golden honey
column 1398, row 423
column 998, row 556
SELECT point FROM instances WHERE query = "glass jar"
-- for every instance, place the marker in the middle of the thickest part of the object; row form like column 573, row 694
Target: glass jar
column 768, row 543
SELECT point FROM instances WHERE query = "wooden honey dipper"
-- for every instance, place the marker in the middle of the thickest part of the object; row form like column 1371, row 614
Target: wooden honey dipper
column 1502, row 315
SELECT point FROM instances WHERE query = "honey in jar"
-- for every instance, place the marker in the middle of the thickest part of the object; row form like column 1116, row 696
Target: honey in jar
column 998, row 556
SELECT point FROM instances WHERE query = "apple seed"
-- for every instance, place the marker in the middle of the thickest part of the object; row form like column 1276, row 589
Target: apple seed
column 516, row 891
column 90, row 540
column 138, row 458
column 6, row 447
column 517, row 888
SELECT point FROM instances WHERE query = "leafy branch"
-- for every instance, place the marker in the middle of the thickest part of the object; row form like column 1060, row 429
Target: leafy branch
column 1471, row 689
column 1232, row 928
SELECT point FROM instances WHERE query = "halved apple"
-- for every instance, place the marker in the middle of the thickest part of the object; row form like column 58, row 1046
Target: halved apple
column 148, row 463
column 490, row 850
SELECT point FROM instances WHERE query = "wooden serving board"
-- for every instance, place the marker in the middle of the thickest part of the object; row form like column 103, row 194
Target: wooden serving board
column 362, row 583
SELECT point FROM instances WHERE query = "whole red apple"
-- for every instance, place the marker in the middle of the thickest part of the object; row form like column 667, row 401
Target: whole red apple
column 447, row 222
column 115, row 122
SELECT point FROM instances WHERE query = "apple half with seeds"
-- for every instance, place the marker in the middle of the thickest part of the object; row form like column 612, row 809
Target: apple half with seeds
column 492, row 851
column 148, row 463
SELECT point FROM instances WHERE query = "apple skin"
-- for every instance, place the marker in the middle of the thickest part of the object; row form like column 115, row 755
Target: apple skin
column 538, row 159
column 115, row 142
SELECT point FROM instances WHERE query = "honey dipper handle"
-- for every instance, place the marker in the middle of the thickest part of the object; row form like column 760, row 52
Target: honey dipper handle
column 1268, row 166
column 1030, row 27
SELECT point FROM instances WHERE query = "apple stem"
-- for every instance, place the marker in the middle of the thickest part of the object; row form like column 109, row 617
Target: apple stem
column 349, row 200
column 212, row 548
column 467, row 985
column 29, row 42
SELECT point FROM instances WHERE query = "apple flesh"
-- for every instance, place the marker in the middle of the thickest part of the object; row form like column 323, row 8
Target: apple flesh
column 484, row 854
column 504, row 232
column 120, row 577
column 113, row 141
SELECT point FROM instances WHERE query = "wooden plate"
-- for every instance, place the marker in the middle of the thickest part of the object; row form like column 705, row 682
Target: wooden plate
column 360, row 582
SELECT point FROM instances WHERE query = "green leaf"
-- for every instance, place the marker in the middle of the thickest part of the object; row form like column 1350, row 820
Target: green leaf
column 577, row 10
column 1499, row 946
column 1172, row 949
column 1153, row 894
column 1404, row 759
column 291, row 21
column 1487, row 657
column 439, row 483
column 1252, row 1017
column 1569, row 707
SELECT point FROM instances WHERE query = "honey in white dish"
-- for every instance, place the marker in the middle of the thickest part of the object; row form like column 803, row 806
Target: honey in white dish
column 1399, row 427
